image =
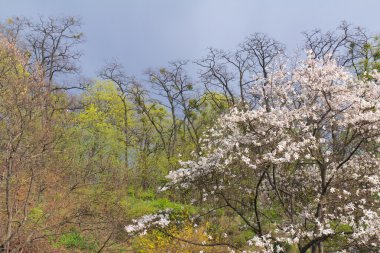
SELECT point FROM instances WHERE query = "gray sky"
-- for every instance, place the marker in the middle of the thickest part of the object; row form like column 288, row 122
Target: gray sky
column 149, row 33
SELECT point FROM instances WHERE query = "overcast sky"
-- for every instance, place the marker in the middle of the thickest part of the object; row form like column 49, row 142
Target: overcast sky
column 149, row 33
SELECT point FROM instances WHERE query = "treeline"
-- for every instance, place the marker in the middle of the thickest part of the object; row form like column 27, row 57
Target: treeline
column 79, row 161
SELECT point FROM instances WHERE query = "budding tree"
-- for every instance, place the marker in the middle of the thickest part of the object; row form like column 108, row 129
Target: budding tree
column 26, row 145
column 303, row 174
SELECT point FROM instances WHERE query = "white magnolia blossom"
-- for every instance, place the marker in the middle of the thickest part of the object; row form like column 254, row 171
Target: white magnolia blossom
column 306, row 149
column 146, row 222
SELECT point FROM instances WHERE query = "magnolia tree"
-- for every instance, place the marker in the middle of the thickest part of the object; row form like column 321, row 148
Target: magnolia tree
column 300, row 167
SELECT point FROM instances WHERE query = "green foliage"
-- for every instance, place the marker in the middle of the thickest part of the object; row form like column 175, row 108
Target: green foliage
column 74, row 240
column 240, row 238
column 138, row 206
column 36, row 215
column 370, row 59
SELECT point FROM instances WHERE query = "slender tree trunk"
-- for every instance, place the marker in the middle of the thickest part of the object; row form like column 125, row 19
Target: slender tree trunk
column 126, row 133
column 173, row 144
column 8, row 233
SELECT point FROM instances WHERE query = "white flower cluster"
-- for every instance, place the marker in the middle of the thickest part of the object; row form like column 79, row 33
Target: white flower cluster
column 264, row 244
column 146, row 222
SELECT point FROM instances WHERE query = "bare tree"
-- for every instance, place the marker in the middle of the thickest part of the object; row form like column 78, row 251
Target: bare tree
column 231, row 72
column 51, row 42
column 172, row 86
column 264, row 53
column 215, row 74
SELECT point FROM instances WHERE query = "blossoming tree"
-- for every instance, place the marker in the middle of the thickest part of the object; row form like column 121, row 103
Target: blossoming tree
column 300, row 166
